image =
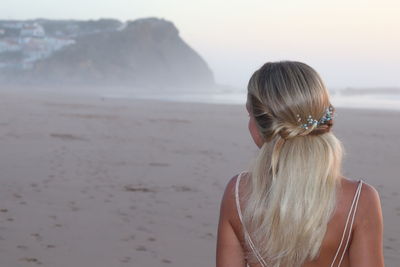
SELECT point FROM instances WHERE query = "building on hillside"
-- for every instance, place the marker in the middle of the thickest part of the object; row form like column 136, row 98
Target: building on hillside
column 32, row 30
column 9, row 45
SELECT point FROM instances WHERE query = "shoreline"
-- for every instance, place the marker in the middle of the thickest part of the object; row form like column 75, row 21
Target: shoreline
column 213, row 98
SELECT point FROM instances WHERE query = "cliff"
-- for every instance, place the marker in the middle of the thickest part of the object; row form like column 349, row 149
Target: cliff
column 144, row 53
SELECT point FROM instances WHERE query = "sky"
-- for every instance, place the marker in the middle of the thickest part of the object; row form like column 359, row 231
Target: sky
column 351, row 43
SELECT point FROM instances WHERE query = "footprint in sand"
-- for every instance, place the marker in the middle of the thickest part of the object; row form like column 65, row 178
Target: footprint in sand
column 126, row 259
column 68, row 137
column 166, row 261
column 207, row 236
column 132, row 188
column 16, row 195
column 46, row 181
column 35, row 187
column 141, row 248
column 3, row 210
column 22, row 247
column 129, row 238
column 121, row 213
column 143, row 229
column 34, row 260
column 37, row 237
column 72, row 206
column 158, row 164
column 182, row 188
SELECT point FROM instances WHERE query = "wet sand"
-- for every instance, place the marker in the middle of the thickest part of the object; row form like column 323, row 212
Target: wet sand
column 108, row 182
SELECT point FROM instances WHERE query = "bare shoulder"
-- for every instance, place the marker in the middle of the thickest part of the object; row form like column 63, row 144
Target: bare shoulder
column 228, row 203
column 228, row 199
column 229, row 191
column 366, row 247
column 369, row 195
column 369, row 205
column 229, row 246
column 370, row 210
column 232, row 183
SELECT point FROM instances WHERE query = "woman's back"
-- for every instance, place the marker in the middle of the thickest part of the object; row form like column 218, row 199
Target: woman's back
column 337, row 243
column 297, row 202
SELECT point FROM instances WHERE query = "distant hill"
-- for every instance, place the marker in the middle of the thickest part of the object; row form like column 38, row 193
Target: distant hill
column 145, row 53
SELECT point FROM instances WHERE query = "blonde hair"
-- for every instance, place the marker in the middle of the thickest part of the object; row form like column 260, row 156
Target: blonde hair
column 292, row 189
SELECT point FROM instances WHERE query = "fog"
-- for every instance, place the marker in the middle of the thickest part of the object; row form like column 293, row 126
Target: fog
column 351, row 43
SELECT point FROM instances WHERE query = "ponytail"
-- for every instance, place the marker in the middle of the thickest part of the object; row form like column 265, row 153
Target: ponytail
column 292, row 187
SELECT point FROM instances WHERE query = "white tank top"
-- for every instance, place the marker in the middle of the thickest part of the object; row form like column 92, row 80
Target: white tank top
column 351, row 214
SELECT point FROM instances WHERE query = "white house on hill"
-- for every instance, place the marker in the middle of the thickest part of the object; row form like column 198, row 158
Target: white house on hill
column 32, row 30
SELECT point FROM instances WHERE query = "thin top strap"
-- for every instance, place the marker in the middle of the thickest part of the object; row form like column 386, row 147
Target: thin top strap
column 246, row 234
column 354, row 205
column 237, row 197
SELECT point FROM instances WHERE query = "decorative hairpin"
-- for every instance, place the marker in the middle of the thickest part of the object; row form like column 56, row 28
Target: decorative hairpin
column 310, row 121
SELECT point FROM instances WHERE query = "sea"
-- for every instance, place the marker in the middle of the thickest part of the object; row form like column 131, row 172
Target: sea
column 361, row 98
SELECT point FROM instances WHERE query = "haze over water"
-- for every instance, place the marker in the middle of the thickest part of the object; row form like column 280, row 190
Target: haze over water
column 350, row 43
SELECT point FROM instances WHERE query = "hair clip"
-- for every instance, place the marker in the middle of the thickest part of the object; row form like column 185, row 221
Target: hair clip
column 311, row 121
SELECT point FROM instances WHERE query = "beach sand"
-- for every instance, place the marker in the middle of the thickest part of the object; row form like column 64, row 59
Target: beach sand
column 101, row 182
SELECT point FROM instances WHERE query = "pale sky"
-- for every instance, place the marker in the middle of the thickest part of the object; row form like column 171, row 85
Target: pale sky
column 349, row 42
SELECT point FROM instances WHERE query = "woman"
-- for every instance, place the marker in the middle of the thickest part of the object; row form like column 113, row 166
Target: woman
column 294, row 207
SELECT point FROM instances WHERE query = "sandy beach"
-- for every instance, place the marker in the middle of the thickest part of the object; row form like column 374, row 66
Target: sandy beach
column 95, row 182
